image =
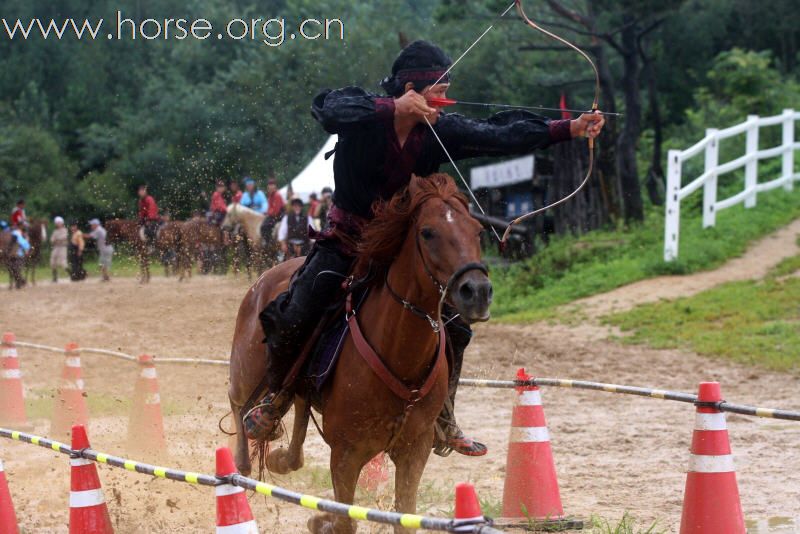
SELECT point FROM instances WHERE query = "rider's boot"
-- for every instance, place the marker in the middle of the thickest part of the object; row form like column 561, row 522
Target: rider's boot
column 449, row 436
column 262, row 422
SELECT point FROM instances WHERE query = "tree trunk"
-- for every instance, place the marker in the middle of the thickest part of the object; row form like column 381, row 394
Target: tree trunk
column 587, row 210
column 655, row 175
column 627, row 141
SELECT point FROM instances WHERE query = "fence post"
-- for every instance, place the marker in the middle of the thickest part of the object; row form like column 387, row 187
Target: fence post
column 673, row 206
column 751, row 167
column 788, row 149
column 710, row 185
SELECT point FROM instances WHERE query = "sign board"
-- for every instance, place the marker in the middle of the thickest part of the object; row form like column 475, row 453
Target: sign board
column 502, row 174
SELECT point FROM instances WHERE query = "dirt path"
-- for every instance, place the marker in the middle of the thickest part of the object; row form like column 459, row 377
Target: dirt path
column 753, row 264
column 613, row 454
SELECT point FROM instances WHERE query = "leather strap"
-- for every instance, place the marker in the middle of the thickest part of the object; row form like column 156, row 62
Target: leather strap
column 375, row 362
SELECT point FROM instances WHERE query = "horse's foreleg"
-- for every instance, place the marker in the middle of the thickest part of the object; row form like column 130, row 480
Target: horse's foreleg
column 346, row 464
column 409, row 460
column 283, row 461
column 242, row 451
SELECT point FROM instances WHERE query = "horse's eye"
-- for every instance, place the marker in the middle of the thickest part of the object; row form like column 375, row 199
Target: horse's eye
column 426, row 234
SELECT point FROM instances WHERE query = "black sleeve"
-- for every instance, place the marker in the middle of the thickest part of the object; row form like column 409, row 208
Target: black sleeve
column 342, row 110
column 505, row 133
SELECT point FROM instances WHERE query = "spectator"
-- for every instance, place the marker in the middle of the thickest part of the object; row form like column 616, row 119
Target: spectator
column 58, row 243
column 313, row 204
column 148, row 215
column 218, row 206
column 16, row 258
column 324, row 207
column 236, row 192
column 253, row 197
column 18, row 217
column 276, row 209
column 293, row 231
column 105, row 250
column 75, row 254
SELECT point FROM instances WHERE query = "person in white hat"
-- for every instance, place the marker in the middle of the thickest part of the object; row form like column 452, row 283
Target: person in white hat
column 58, row 252
column 105, row 250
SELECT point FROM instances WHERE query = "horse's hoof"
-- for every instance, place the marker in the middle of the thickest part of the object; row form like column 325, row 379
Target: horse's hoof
column 325, row 524
column 279, row 461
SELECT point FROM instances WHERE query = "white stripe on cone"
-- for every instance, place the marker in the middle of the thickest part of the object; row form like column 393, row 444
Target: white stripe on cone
column 710, row 421
column 228, row 489
column 148, row 372
column 73, row 361
column 85, row 499
column 248, row 527
column 529, row 398
column 532, row 434
column 9, row 353
column 10, row 374
column 699, row 463
column 152, row 398
column 72, row 384
column 79, row 462
column 1, row 466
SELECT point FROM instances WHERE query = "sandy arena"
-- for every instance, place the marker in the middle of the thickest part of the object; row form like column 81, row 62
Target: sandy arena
column 613, row 453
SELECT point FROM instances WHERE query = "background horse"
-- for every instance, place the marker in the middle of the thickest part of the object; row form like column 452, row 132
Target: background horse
column 423, row 246
column 37, row 236
column 203, row 242
column 127, row 232
column 250, row 223
column 169, row 248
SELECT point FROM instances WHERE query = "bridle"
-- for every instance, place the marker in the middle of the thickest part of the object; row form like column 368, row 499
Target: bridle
column 443, row 289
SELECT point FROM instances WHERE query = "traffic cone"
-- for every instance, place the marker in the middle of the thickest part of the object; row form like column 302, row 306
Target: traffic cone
column 375, row 473
column 88, row 513
column 468, row 509
column 233, row 510
column 146, row 426
column 8, row 519
column 12, row 402
column 531, row 487
column 711, row 500
column 70, row 406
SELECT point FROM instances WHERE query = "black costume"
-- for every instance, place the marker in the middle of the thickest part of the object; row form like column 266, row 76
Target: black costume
column 369, row 165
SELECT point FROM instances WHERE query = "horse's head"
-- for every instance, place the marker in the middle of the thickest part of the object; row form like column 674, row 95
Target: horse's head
column 430, row 222
column 231, row 218
column 447, row 243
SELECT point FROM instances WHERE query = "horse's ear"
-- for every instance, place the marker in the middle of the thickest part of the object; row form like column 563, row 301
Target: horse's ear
column 413, row 185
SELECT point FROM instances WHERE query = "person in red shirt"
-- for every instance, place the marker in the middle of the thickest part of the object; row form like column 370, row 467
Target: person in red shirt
column 148, row 215
column 236, row 192
column 18, row 217
column 275, row 210
column 218, row 206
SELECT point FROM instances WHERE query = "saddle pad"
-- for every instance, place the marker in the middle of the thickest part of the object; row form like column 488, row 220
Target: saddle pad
column 321, row 365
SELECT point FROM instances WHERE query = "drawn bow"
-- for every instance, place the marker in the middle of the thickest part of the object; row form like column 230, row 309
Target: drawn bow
column 533, row 25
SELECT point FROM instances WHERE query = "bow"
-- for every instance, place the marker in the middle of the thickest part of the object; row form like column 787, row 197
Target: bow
column 533, row 25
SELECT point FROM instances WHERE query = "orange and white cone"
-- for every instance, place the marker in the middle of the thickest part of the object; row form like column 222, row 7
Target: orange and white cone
column 88, row 512
column 468, row 509
column 531, row 487
column 233, row 511
column 70, row 406
column 711, row 501
column 8, row 519
column 12, row 402
column 146, row 425
column 375, row 473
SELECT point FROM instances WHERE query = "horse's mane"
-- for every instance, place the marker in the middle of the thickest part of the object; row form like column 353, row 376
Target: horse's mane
column 384, row 236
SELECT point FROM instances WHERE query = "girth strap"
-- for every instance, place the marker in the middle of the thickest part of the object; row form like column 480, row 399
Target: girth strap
column 375, row 362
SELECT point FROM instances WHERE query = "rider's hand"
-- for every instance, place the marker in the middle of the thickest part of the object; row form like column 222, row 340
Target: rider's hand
column 587, row 125
column 413, row 104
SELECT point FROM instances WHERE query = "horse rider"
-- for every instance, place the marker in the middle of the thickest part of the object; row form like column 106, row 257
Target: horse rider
column 18, row 217
column 218, row 206
column 18, row 248
column 383, row 140
column 236, row 192
column 148, row 216
column 253, row 197
column 293, row 231
column 275, row 211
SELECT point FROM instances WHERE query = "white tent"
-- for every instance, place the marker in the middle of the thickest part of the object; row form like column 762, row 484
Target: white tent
column 317, row 174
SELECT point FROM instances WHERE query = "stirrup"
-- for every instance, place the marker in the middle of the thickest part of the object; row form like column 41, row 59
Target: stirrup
column 262, row 421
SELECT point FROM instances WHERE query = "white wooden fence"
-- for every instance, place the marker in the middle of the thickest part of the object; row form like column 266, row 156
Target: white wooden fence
column 708, row 180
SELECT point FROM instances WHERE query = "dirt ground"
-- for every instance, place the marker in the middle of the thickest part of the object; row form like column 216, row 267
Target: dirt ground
column 613, row 453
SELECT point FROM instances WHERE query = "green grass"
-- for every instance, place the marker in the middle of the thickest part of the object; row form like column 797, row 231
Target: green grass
column 39, row 405
column 626, row 525
column 572, row 268
column 749, row 322
column 124, row 265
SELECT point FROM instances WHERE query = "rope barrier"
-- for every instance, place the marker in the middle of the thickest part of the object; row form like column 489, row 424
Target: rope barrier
column 307, row 501
column 742, row 409
column 678, row 396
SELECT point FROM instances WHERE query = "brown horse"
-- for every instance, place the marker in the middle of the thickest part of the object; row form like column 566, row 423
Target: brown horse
column 169, row 245
column 37, row 236
column 128, row 232
column 203, row 242
column 424, row 248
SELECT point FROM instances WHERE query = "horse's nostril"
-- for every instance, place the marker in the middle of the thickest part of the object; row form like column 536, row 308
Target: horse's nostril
column 466, row 292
